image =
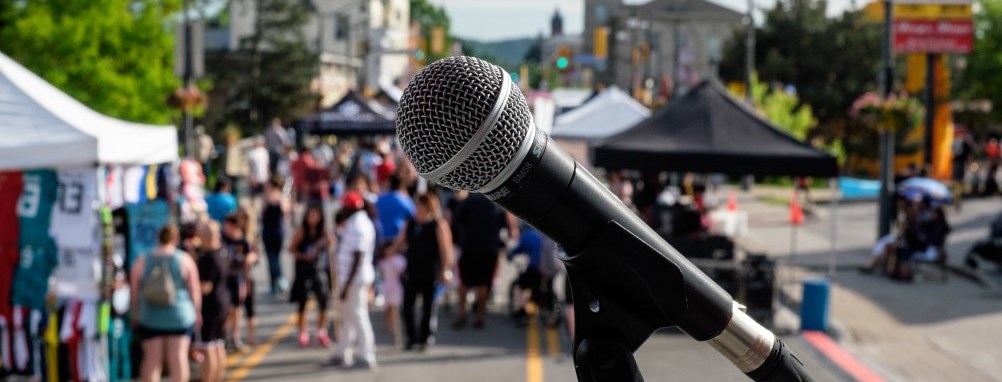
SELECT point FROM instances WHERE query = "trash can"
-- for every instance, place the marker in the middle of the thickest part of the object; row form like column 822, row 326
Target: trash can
column 814, row 306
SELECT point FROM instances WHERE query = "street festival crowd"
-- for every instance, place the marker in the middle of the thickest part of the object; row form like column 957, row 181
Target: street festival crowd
column 360, row 228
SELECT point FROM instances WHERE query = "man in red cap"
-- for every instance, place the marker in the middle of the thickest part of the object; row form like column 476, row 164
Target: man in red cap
column 355, row 274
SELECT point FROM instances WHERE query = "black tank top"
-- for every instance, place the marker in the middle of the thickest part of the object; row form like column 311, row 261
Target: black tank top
column 306, row 244
column 271, row 222
column 423, row 255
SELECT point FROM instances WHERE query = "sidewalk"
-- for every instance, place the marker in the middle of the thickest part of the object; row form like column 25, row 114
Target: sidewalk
column 924, row 331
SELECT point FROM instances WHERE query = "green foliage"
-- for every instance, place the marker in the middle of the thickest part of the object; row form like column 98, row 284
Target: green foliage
column 429, row 16
column 115, row 56
column 829, row 61
column 270, row 74
column 783, row 109
column 983, row 74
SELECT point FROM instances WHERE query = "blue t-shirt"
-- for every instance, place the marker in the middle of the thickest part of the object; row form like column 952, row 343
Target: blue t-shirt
column 220, row 205
column 394, row 208
column 530, row 243
column 145, row 220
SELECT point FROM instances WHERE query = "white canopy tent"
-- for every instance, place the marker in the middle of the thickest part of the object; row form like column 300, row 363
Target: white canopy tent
column 608, row 113
column 42, row 127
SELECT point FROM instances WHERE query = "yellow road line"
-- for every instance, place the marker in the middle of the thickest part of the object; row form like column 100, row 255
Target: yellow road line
column 553, row 342
column 534, row 363
column 234, row 359
column 258, row 355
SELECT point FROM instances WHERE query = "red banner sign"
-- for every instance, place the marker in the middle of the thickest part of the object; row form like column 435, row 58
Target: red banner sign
column 933, row 36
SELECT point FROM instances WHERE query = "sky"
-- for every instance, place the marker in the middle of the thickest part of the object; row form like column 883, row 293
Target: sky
column 491, row 20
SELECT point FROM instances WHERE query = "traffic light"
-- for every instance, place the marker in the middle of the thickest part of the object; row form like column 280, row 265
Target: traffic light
column 563, row 57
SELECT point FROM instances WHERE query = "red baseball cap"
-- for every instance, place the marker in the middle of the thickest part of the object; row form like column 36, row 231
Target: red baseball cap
column 353, row 200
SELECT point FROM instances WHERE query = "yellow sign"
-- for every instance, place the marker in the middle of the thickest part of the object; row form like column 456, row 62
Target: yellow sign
column 933, row 11
column 601, row 44
column 874, row 11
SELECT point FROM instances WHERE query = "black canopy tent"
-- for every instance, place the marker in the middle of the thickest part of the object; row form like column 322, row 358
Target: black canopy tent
column 354, row 114
column 708, row 131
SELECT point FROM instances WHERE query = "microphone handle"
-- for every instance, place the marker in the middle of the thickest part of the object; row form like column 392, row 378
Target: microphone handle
column 626, row 280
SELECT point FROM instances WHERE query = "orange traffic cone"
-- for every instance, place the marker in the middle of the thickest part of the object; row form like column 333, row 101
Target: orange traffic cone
column 732, row 201
column 796, row 212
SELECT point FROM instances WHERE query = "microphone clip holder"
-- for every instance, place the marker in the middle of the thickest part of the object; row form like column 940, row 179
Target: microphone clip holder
column 622, row 294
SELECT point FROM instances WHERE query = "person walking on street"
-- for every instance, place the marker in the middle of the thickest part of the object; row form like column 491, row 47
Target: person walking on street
column 355, row 275
column 213, row 268
column 165, row 308
column 307, row 247
column 428, row 243
column 395, row 207
column 479, row 223
column 258, row 163
column 248, row 231
column 276, row 139
column 273, row 233
column 239, row 252
column 221, row 203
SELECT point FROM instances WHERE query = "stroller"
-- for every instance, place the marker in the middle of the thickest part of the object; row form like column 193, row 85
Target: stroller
column 988, row 249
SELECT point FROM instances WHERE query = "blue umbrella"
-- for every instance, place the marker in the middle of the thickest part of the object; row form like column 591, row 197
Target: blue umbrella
column 933, row 189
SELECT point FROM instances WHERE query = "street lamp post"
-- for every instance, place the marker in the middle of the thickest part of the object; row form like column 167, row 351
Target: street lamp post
column 750, row 52
column 886, row 136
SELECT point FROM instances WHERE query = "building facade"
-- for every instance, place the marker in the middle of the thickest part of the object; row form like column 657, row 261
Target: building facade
column 362, row 44
column 662, row 47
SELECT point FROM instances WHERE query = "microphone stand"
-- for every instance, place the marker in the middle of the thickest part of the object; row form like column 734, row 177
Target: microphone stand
column 624, row 290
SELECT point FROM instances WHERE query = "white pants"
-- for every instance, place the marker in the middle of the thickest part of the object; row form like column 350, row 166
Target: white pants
column 354, row 334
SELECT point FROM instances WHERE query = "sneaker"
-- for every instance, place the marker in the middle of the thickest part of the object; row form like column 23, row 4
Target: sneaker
column 304, row 339
column 323, row 339
column 335, row 362
column 971, row 262
column 368, row 365
column 241, row 347
column 459, row 323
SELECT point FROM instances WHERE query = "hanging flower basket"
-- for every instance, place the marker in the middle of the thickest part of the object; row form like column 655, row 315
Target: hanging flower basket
column 186, row 98
column 892, row 113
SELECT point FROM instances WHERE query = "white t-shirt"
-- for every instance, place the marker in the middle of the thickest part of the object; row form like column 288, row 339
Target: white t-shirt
column 358, row 235
column 132, row 181
column 257, row 160
column 74, row 215
column 115, row 187
column 75, row 228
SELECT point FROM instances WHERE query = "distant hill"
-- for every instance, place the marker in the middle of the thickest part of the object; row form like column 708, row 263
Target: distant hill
column 507, row 53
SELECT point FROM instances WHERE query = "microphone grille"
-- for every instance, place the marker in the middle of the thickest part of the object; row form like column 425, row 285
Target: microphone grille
column 442, row 109
column 497, row 149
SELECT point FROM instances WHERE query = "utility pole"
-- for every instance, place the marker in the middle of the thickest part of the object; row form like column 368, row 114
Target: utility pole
column 930, row 106
column 187, row 76
column 886, row 136
column 750, row 52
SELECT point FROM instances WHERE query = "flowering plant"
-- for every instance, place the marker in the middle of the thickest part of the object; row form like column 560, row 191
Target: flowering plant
column 893, row 112
column 187, row 98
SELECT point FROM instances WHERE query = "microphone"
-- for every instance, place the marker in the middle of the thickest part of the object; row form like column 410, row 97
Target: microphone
column 465, row 125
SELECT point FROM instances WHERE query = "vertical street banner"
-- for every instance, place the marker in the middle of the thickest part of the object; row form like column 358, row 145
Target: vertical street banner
column 933, row 26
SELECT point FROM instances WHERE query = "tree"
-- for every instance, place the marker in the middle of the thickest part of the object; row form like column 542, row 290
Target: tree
column 115, row 56
column 430, row 17
column 270, row 74
column 829, row 61
column 983, row 73
column 782, row 107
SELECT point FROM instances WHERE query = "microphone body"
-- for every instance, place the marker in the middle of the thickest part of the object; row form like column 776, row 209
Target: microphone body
column 626, row 280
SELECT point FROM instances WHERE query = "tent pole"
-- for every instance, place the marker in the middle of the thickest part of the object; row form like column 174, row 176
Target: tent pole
column 836, row 196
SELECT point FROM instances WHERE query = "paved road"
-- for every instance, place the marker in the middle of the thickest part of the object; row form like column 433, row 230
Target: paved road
column 502, row 352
